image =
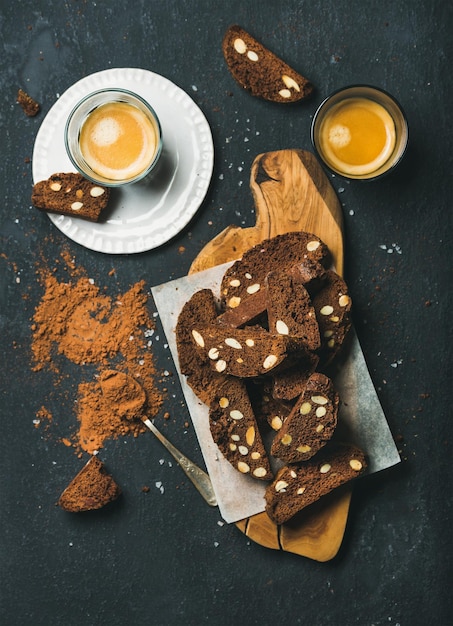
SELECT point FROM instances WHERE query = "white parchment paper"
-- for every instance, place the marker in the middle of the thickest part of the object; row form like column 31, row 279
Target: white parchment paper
column 361, row 416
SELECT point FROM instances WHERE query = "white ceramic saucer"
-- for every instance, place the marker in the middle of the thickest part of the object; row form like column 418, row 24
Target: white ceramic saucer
column 145, row 215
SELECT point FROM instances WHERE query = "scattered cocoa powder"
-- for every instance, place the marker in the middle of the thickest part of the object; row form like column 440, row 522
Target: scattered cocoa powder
column 75, row 321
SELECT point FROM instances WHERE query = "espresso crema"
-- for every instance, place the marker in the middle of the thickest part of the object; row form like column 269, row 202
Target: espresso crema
column 118, row 141
column 357, row 136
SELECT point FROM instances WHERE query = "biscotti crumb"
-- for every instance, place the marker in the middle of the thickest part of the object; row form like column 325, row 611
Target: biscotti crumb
column 29, row 106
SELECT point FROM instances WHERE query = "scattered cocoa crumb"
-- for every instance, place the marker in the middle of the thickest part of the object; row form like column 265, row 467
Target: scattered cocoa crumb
column 428, row 303
column 29, row 106
column 146, row 489
column 424, row 396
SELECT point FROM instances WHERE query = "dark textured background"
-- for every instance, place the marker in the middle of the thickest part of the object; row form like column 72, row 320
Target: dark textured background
column 166, row 559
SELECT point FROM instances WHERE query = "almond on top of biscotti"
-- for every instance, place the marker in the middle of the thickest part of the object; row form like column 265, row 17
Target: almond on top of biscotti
column 69, row 193
column 297, row 486
column 235, row 431
column 261, row 72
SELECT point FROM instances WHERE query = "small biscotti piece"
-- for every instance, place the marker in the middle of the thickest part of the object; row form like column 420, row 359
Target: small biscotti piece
column 290, row 311
column 199, row 309
column 247, row 275
column 235, row 430
column 29, row 106
column 260, row 71
column 332, row 305
column 71, row 194
column 297, row 486
column 311, row 423
column 244, row 352
column 92, row 488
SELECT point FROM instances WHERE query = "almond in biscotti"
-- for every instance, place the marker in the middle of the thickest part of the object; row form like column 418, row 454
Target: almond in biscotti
column 235, row 430
column 260, row 71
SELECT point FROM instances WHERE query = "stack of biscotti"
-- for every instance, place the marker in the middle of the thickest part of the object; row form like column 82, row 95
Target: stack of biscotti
column 258, row 356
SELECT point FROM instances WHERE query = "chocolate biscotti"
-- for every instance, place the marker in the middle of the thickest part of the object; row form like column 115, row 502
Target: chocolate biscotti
column 259, row 71
column 71, row 194
column 297, row 486
column 332, row 305
column 201, row 378
column 311, row 423
column 290, row 311
column 92, row 488
column 247, row 275
column 243, row 352
column 235, row 430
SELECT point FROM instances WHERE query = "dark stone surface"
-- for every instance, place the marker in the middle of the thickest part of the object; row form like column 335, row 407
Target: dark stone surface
column 165, row 559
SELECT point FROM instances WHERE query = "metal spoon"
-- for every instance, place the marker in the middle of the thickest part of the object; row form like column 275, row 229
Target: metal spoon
column 199, row 478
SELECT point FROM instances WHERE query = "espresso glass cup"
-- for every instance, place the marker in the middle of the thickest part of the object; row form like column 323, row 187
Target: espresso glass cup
column 360, row 132
column 113, row 137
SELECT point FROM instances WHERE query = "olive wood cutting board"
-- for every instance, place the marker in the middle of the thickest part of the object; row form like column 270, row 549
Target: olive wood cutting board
column 291, row 192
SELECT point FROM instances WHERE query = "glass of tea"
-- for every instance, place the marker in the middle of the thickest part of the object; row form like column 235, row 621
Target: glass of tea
column 113, row 137
column 360, row 132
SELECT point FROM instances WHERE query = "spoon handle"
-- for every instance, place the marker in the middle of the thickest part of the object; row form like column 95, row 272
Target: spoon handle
column 199, row 478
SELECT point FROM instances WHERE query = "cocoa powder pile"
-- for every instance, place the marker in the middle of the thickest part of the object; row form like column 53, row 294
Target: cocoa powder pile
column 77, row 322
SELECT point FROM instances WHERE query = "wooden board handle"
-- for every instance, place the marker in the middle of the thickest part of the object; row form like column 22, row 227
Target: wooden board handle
column 291, row 192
